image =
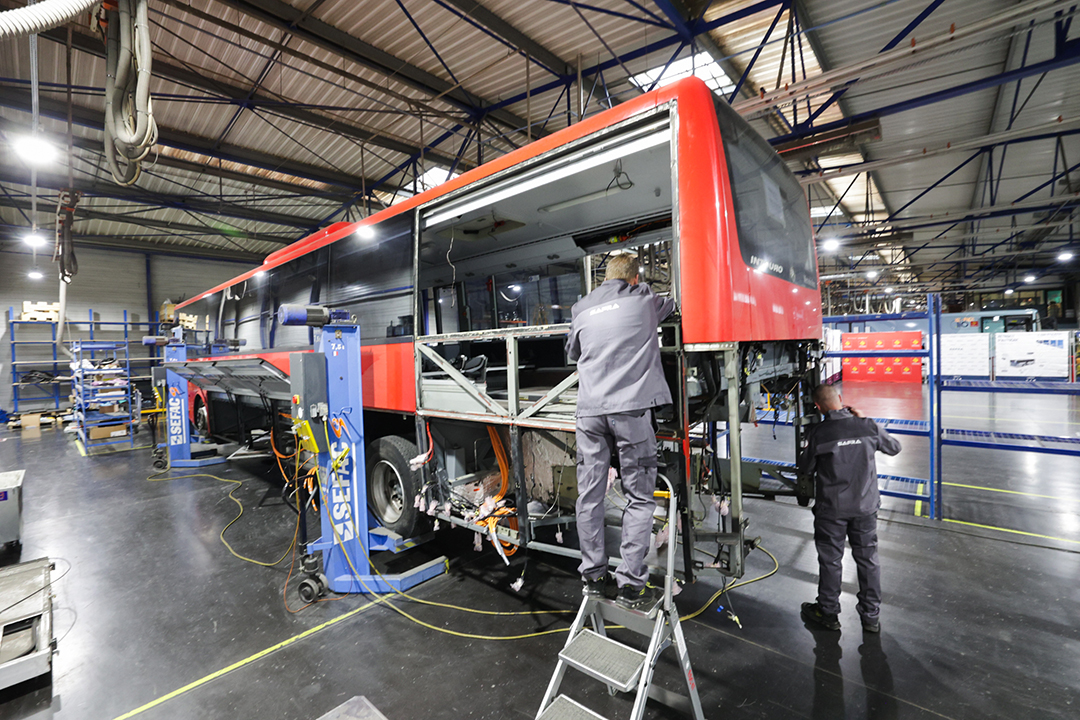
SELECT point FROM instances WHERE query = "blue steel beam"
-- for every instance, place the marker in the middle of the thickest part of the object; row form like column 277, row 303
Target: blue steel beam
column 613, row 13
column 1002, row 143
column 757, row 53
column 431, row 47
column 1026, row 195
column 280, row 14
column 838, row 201
column 667, row 65
column 897, row 39
column 472, row 12
column 698, row 28
column 943, row 178
column 1062, row 60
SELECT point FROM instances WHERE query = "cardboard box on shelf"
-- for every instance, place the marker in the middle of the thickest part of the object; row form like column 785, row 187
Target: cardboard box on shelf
column 28, row 421
column 108, row 432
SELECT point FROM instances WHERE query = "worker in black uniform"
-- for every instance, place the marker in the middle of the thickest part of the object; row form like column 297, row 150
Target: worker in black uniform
column 613, row 338
column 839, row 455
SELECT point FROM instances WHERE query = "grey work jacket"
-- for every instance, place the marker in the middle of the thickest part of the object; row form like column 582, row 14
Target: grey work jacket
column 840, row 452
column 613, row 339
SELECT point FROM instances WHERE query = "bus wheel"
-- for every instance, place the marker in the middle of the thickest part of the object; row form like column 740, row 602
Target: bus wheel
column 392, row 486
column 202, row 418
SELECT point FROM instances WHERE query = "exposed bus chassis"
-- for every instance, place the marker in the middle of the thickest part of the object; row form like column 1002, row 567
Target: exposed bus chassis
column 720, row 386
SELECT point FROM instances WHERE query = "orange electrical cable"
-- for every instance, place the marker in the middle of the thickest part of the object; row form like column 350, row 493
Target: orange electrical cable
column 493, row 519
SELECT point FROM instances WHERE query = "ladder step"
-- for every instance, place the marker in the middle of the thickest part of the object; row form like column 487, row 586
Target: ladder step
column 563, row 708
column 606, row 660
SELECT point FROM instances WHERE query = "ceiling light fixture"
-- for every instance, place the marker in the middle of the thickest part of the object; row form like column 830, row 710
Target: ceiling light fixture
column 1065, row 256
column 555, row 207
column 34, row 240
column 1009, row 291
column 888, row 291
column 830, row 245
column 1029, row 278
column 872, row 274
column 365, row 232
column 34, row 275
column 34, row 149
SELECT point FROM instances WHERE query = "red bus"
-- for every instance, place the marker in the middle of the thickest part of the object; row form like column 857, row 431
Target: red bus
column 463, row 294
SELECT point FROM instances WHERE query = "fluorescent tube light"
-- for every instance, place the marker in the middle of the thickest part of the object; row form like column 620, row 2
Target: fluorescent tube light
column 601, row 158
column 555, row 207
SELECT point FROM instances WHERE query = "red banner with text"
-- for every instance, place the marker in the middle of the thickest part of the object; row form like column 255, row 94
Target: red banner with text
column 882, row 369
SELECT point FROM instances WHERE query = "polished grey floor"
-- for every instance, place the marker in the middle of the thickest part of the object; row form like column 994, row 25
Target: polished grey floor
column 976, row 623
column 1026, row 491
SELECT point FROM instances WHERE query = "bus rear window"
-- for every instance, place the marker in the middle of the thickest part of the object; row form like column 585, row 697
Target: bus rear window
column 775, row 235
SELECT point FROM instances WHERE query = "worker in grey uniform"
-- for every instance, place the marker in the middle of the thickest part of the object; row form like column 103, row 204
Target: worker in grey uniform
column 840, row 456
column 613, row 338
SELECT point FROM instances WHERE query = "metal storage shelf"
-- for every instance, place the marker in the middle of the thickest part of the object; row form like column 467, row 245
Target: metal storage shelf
column 48, row 391
column 89, row 418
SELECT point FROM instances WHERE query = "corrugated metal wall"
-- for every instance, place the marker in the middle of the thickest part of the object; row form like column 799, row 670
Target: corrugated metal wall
column 108, row 283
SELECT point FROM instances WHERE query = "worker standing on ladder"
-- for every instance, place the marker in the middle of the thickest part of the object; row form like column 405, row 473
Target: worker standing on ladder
column 840, row 457
column 613, row 338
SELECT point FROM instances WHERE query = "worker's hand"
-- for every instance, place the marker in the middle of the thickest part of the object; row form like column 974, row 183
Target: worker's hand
column 856, row 412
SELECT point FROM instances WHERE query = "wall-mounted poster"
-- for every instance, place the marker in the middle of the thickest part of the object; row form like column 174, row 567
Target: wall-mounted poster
column 1034, row 354
column 965, row 355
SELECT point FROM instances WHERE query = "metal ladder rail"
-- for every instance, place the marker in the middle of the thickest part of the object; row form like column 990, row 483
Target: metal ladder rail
column 665, row 631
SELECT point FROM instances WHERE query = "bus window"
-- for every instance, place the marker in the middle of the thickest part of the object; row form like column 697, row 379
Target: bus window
column 514, row 249
column 372, row 278
column 775, row 235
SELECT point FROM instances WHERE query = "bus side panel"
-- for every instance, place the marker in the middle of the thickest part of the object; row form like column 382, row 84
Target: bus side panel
column 723, row 299
column 389, row 377
column 709, row 313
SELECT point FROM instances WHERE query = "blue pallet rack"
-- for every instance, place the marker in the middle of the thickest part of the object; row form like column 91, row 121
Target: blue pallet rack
column 44, row 391
column 89, row 397
column 49, row 392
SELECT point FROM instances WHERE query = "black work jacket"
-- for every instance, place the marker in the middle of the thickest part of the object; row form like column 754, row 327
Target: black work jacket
column 840, row 454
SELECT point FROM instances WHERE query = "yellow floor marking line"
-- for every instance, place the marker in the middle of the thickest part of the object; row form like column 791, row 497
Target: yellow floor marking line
column 248, row 660
column 1010, row 492
column 79, row 446
column 1010, row 530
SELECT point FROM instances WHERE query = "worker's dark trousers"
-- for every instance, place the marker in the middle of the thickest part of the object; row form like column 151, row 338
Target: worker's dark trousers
column 632, row 434
column 861, row 532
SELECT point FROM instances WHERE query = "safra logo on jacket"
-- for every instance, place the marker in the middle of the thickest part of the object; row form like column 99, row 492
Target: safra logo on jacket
column 604, row 308
column 842, row 443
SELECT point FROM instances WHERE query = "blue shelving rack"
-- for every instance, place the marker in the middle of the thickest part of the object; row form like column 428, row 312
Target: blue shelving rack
column 50, row 393
column 90, row 397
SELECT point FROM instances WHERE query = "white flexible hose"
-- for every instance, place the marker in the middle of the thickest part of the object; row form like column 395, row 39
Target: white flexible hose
column 40, row 17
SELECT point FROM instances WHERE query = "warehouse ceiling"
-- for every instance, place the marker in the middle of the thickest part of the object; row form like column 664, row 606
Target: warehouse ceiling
column 938, row 140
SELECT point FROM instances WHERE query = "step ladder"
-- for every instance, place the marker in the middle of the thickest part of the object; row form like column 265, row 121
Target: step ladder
column 619, row 666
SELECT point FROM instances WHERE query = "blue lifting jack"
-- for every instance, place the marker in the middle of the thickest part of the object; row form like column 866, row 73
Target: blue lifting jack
column 328, row 417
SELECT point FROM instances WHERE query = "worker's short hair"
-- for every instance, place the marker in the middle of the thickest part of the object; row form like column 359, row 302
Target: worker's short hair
column 623, row 267
column 825, row 393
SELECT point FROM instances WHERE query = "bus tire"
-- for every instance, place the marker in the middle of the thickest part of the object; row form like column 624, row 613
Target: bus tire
column 393, row 487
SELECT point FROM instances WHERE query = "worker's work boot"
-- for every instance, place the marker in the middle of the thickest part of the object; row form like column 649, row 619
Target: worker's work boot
column 602, row 586
column 812, row 612
column 871, row 625
column 642, row 598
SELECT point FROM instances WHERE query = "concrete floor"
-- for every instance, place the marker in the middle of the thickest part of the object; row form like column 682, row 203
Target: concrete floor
column 976, row 623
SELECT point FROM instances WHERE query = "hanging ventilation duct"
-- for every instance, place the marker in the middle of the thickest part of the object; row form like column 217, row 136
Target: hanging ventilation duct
column 43, row 16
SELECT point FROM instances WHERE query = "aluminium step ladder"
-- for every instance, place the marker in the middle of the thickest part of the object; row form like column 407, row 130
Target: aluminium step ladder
column 619, row 666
